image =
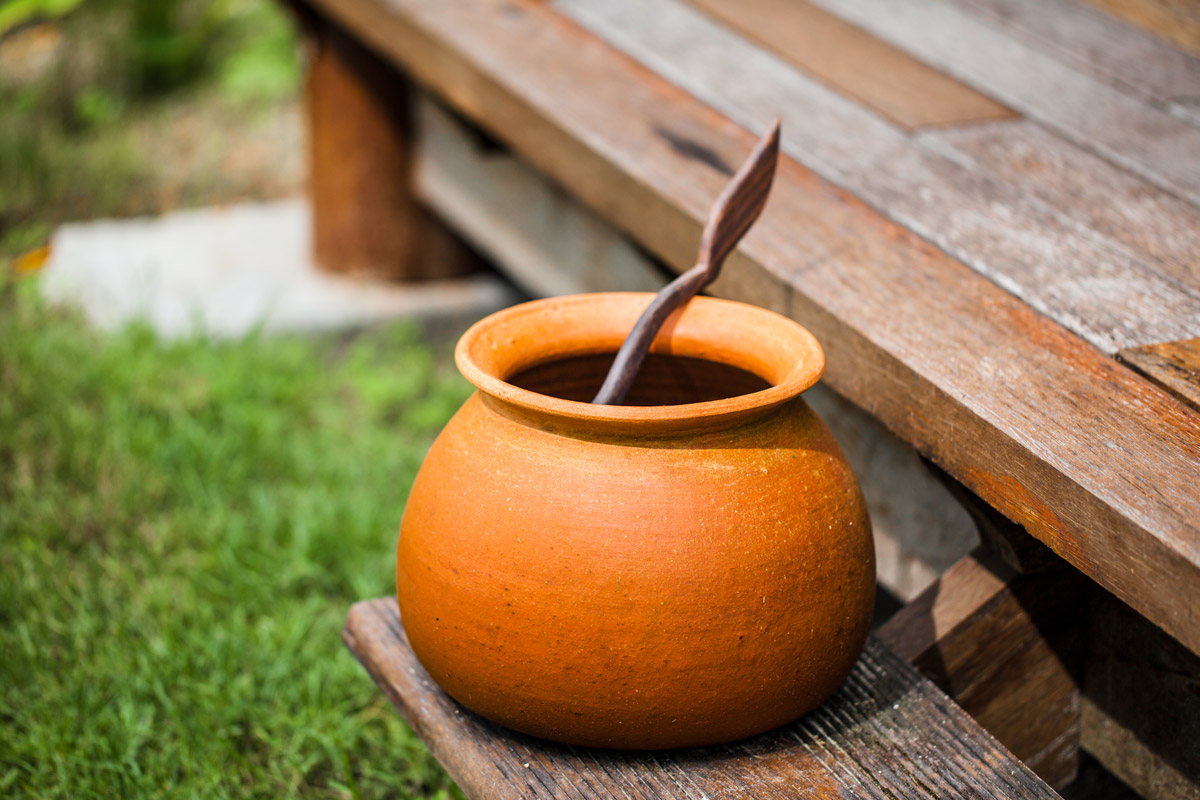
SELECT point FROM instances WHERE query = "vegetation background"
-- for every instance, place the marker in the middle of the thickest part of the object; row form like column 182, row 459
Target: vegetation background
column 183, row 525
column 126, row 107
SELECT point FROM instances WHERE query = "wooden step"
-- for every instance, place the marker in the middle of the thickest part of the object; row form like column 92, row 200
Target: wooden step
column 887, row 733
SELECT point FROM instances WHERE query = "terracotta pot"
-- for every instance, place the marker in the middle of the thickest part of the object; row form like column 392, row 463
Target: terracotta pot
column 643, row 576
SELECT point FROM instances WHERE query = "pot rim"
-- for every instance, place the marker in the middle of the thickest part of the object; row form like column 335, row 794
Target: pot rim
column 503, row 344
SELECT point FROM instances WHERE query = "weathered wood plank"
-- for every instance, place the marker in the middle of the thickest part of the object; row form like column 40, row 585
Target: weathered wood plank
column 855, row 63
column 1160, row 229
column 1006, row 647
column 1013, row 226
column 1176, row 20
column 1122, row 128
column 1174, row 365
column 886, row 733
column 1120, row 54
column 1091, row 458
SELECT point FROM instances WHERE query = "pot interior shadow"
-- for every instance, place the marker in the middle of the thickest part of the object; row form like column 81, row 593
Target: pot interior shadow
column 663, row 380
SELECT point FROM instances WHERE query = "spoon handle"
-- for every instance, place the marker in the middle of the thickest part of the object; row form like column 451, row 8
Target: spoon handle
column 732, row 215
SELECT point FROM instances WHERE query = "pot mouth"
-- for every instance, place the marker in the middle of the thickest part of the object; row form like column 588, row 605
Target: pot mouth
column 503, row 345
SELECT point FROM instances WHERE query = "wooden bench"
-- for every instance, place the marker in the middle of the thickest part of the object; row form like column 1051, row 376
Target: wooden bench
column 988, row 215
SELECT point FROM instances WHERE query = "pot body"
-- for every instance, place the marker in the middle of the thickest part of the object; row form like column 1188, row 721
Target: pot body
column 636, row 588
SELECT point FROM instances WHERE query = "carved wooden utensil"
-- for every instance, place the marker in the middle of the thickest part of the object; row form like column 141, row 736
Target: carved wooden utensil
column 732, row 215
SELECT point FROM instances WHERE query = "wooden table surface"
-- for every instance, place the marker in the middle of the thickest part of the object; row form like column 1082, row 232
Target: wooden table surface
column 987, row 214
column 887, row 733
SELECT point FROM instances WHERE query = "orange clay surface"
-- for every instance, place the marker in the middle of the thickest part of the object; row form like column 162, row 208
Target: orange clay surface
column 668, row 574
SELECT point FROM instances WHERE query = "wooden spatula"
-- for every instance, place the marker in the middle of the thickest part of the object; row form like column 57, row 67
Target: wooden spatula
column 734, row 212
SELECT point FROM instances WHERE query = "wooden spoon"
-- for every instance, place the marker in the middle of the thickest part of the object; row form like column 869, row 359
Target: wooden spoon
column 734, row 212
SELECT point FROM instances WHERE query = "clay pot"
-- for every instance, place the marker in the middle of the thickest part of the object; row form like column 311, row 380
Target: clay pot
column 693, row 569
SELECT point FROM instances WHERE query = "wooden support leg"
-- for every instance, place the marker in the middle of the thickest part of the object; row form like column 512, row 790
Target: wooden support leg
column 1102, row 677
column 1006, row 647
column 1141, row 704
column 366, row 219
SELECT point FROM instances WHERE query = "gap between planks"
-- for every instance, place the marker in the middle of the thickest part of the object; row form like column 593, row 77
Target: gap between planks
column 1173, row 365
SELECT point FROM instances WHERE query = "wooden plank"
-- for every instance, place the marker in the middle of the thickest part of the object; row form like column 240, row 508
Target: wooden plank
column 1173, row 365
column 1007, row 649
column 855, row 63
column 1162, row 230
column 1141, row 705
column 1117, row 53
column 1093, row 459
column 1012, row 226
column 886, row 733
column 1175, row 20
column 366, row 220
column 1124, row 129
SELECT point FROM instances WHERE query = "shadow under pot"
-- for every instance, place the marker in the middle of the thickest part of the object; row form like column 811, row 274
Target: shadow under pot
column 693, row 568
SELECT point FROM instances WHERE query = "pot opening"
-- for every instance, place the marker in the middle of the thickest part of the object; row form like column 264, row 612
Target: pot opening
column 714, row 363
column 663, row 380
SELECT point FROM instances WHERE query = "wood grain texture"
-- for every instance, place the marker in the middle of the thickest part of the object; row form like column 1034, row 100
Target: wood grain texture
column 1124, row 129
column 366, row 220
column 1174, row 365
column 1014, row 226
column 1102, row 45
column 887, row 733
column 1159, row 229
column 1091, row 458
column 855, row 63
column 1175, row 20
column 1141, row 709
column 1006, row 647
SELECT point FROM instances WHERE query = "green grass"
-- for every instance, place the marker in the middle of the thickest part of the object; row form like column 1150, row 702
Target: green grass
column 182, row 529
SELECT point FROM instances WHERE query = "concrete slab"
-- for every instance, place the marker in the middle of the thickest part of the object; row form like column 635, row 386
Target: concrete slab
column 227, row 271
